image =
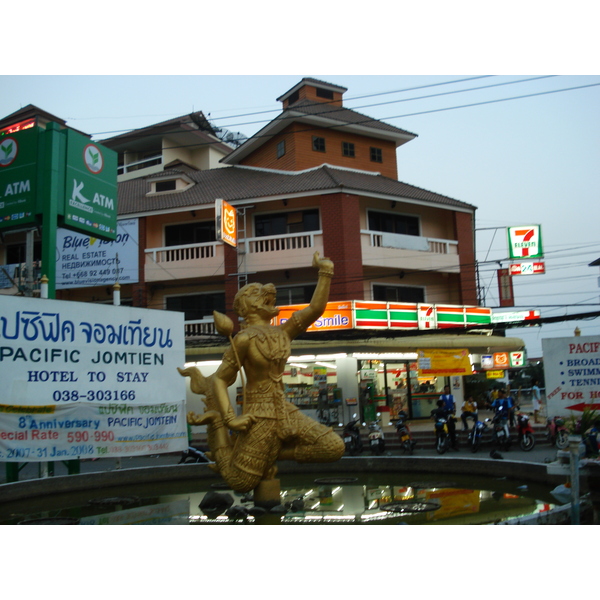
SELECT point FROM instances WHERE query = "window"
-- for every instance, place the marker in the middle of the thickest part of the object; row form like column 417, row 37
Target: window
column 290, row 222
column 376, row 155
column 392, row 223
column 318, row 144
column 16, row 253
column 280, row 148
column 398, row 293
column 197, row 306
column 298, row 294
column 348, row 149
column 323, row 93
column 165, row 186
column 190, row 233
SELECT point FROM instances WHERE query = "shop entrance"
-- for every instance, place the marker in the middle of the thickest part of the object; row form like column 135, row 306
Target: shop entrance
column 387, row 387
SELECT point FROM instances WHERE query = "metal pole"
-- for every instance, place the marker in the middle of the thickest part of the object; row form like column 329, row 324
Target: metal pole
column 574, row 441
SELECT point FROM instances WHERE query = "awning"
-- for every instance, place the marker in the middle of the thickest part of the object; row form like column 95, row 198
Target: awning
column 476, row 344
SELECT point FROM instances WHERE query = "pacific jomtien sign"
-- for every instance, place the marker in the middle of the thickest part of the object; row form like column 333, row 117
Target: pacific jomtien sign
column 572, row 374
column 85, row 380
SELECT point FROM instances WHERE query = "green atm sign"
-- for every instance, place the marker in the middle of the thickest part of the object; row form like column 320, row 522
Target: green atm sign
column 62, row 170
column 18, row 178
column 90, row 187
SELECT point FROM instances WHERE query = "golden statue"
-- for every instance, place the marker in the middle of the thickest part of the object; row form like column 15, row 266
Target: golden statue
column 269, row 428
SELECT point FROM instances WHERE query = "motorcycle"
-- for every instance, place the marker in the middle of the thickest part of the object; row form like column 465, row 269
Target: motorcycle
column 557, row 432
column 376, row 439
column 500, row 432
column 351, row 437
column 193, row 455
column 525, row 432
column 406, row 442
column 442, row 437
column 476, row 434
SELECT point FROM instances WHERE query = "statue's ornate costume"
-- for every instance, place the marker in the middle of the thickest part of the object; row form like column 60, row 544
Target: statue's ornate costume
column 270, row 428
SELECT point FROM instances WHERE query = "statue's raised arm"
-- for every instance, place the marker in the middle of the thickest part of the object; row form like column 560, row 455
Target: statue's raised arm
column 302, row 319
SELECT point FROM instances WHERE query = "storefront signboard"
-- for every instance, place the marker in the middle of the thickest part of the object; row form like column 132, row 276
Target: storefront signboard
column 401, row 315
column 444, row 362
column 494, row 374
column 84, row 380
column 337, row 315
column 572, row 374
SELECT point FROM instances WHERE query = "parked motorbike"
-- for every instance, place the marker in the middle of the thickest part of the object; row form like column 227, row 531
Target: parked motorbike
column 557, row 432
column 193, row 455
column 351, row 436
column 525, row 432
column 442, row 437
column 376, row 439
column 475, row 436
column 500, row 431
column 406, row 442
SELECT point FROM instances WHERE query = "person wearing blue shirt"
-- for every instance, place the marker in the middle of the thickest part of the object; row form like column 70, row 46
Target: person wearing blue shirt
column 503, row 404
column 448, row 399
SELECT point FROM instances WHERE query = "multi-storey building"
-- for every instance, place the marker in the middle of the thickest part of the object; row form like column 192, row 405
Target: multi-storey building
column 319, row 177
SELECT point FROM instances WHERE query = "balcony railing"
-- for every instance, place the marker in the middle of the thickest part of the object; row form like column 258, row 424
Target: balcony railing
column 182, row 253
column 278, row 243
column 200, row 328
column 409, row 242
column 140, row 164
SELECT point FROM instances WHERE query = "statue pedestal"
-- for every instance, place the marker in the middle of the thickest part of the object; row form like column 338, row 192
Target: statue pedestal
column 267, row 493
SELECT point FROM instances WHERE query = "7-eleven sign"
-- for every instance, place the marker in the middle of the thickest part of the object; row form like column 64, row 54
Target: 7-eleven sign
column 525, row 241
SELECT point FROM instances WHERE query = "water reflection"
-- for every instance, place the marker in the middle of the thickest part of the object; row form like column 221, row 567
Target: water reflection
column 305, row 499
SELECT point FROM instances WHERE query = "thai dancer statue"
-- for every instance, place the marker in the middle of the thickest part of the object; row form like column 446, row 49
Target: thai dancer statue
column 269, row 428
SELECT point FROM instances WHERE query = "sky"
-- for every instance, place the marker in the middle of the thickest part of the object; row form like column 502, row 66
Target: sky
column 523, row 146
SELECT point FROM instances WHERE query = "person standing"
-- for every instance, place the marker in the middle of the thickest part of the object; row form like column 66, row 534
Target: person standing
column 536, row 398
column 448, row 399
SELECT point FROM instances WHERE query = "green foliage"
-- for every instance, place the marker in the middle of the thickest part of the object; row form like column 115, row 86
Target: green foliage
column 579, row 425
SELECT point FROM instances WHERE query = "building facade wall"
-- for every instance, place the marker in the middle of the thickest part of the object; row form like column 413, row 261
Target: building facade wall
column 340, row 215
column 299, row 154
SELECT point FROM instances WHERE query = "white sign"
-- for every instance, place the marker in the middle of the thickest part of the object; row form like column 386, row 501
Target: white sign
column 89, row 380
column 572, row 374
column 86, row 261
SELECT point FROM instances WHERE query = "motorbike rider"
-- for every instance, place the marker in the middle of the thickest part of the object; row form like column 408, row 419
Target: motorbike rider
column 469, row 409
column 502, row 405
column 442, row 412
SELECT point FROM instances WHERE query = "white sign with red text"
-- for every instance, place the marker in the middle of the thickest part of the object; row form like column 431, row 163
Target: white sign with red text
column 572, row 373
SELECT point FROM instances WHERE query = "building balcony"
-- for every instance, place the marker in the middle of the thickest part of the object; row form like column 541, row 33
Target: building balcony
column 267, row 253
column 408, row 251
column 191, row 261
column 289, row 251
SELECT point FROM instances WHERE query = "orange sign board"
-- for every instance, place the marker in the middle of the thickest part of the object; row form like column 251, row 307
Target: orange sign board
column 337, row 315
column 501, row 360
column 226, row 217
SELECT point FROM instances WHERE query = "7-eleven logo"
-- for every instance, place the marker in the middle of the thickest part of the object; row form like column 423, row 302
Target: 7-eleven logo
column 426, row 314
column 525, row 242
